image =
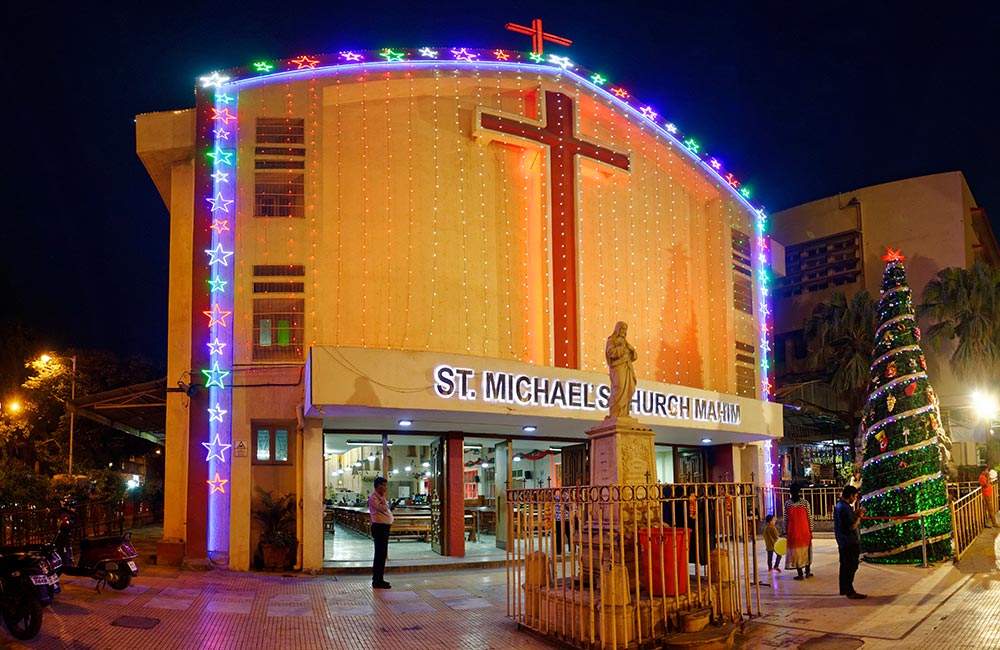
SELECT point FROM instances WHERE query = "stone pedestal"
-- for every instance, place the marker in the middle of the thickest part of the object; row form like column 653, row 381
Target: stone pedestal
column 621, row 452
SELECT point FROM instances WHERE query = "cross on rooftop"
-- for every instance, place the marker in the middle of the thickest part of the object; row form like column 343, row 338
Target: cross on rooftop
column 537, row 35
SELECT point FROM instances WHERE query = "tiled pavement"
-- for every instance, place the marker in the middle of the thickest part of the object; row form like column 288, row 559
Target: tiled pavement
column 946, row 606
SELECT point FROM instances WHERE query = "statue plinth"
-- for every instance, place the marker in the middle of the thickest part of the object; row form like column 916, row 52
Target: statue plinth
column 621, row 452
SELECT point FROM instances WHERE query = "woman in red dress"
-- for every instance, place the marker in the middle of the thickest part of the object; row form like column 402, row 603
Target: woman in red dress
column 797, row 526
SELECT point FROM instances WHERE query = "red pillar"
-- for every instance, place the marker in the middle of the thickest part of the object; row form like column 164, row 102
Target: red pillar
column 454, row 515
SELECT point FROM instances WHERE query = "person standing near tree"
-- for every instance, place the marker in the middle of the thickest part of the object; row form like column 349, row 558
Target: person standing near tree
column 987, row 487
column 845, row 527
column 797, row 526
column 382, row 519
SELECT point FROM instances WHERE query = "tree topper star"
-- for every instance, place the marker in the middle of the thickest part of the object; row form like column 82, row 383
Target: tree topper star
column 893, row 255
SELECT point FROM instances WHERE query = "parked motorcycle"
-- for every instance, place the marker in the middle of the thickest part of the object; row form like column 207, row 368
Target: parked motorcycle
column 109, row 559
column 27, row 582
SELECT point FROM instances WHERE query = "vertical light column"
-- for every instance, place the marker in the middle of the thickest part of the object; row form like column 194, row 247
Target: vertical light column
column 218, row 333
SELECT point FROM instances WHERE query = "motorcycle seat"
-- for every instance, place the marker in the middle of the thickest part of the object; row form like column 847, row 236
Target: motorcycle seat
column 91, row 542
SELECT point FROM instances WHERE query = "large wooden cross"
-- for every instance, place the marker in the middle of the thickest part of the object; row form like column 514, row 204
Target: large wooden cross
column 557, row 132
column 537, row 35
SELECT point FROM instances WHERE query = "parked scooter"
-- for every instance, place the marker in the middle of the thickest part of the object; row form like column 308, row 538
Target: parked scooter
column 109, row 559
column 27, row 582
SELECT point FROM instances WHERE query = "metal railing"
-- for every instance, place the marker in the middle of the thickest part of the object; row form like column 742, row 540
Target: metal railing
column 622, row 565
column 821, row 501
column 93, row 519
column 970, row 512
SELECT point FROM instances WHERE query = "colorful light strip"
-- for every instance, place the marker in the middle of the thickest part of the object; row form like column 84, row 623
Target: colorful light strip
column 218, row 331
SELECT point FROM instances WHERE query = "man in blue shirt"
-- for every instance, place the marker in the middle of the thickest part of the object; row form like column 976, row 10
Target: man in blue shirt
column 845, row 527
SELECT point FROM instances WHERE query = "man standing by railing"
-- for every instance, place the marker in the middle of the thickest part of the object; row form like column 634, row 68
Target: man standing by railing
column 987, row 488
column 845, row 527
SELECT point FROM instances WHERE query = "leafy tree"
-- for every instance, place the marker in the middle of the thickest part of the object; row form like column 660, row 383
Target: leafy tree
column 964, row 305
column 839, row 334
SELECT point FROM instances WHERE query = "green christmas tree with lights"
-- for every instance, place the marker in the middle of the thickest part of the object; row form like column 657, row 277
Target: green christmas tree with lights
column 903, row 452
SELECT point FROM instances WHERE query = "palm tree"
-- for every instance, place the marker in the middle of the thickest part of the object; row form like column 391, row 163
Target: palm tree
column 840, row 334
column 964, row 304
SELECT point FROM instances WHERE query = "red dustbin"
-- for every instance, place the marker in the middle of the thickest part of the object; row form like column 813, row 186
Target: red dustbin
column 666, row 549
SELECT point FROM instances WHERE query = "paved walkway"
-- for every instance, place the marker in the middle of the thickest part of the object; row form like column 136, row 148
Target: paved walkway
column 946, row 606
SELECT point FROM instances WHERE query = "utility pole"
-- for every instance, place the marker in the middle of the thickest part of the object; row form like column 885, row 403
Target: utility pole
column 72, row 416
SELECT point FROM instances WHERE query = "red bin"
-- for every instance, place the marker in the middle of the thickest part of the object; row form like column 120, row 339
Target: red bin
column 663, row 553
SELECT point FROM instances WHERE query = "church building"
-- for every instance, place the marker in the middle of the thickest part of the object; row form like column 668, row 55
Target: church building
column 407, row 263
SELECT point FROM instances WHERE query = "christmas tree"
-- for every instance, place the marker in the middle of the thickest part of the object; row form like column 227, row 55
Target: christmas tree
column 903, row 449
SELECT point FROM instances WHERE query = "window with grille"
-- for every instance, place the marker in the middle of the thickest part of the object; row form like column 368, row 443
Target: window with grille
column 821, row 264
column 742, row 272
column 272, row 442
column 278, row 329
column 279, row 161
column 746, row 369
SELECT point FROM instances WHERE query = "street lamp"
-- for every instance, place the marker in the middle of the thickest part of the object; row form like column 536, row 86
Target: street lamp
column 45, row 358
column 986, row 407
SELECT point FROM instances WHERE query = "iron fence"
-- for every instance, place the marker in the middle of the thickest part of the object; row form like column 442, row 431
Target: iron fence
column 623, row 565
column 93, row 519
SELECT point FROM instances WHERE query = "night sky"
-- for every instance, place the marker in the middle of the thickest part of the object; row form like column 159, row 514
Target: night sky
column 800, row 99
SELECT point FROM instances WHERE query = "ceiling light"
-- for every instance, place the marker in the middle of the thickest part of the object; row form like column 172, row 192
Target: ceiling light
column 367, row 443
column 517, row 459
column 408, row 468
column 371, row 457
column 405, row 423
column 395, row 471
column 425, row 464
column 529, row 428
column 706, row 440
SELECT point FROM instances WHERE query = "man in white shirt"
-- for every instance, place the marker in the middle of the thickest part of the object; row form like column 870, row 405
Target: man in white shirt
column 381, row 515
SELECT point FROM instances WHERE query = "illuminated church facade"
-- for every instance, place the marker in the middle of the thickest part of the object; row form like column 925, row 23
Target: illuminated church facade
column 425, row 248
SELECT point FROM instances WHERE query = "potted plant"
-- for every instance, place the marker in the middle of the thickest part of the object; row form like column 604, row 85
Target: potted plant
column 276, row 516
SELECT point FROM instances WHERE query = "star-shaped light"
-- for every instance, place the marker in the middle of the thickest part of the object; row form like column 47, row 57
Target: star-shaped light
column 351, row 56
column 215, row 79
column 692, row 145
column 223, row 116
column 218, row 255
column 648, row 112
column 745, row 191
column 217, row 316
column 428, row 53
column 561, row 61
column 220, row 177
column 219, row 225
column 715, row 164
column 220, row 203
column 670, row 127
column 501, row 55
column 221, row 134
column 391, row 56
column 305, row 62
column 216, row 448
column 215, row 347
column 218, row 484
column 598, row 79
column 536, row 57
column 218, row 285
column 224, row 98
column 732, row 180
column 462, row 54
column 220, row 156
column 620, row 92
column 215, row 375
column 216, row 415
column 262, row 66
column 893, row 255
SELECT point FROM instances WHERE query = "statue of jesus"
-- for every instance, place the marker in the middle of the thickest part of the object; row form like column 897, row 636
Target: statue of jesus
column 620, row 356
